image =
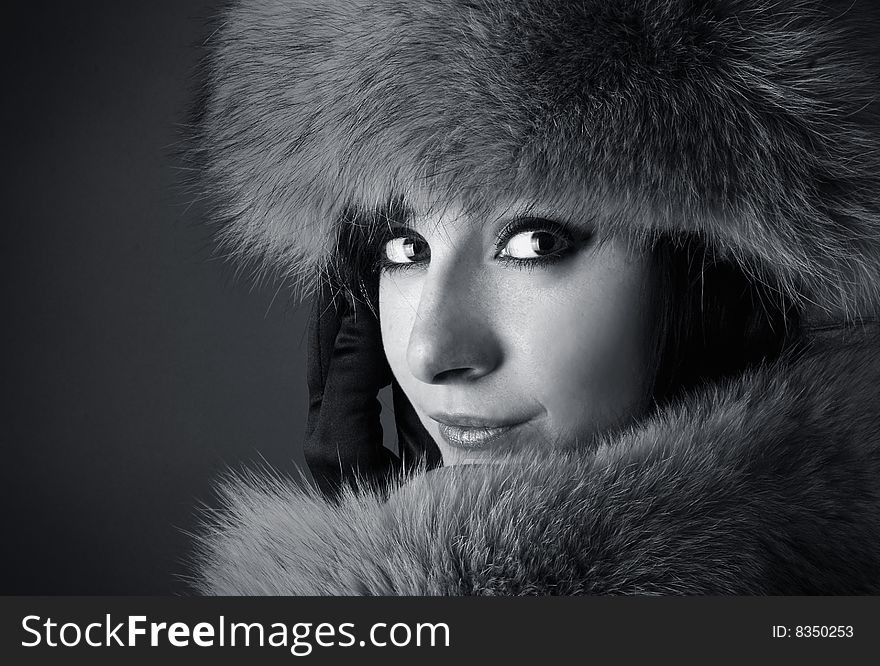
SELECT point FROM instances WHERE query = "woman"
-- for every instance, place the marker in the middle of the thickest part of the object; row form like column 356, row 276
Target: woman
column 625, row 258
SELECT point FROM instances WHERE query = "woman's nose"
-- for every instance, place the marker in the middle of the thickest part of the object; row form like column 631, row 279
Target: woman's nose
column 453, row 338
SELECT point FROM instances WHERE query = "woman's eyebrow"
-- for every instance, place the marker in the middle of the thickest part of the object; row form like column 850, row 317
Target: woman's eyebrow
column 404, row 218
column 396, row 215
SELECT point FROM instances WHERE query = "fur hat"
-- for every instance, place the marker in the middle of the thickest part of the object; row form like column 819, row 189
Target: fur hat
column 752, row 123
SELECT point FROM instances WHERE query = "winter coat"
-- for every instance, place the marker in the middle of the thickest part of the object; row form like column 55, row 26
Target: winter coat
column 749, row 123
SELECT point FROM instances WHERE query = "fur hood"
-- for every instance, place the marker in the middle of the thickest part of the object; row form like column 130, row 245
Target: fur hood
column 753, row 124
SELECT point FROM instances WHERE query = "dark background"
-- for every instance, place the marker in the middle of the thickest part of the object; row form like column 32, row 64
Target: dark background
column 137, row 365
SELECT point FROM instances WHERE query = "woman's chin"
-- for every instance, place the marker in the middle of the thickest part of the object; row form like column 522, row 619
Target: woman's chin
column 453, row 456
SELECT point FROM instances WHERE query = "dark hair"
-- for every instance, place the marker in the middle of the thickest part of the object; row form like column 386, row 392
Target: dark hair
column 711, row 319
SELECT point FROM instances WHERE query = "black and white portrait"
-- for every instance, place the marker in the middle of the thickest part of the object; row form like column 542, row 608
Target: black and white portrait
column 458, row 297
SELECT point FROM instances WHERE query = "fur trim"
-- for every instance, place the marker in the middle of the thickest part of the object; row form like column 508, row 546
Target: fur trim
column 750, row 121
column 769, row 484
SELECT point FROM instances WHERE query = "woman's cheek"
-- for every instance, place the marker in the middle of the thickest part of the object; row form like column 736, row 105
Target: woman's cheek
column 588, row 347
column 396, row 319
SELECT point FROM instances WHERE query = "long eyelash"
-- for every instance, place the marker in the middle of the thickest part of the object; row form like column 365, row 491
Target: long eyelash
column 561, row 228
column 520, row 224
column 381, row 263
column 535, row 262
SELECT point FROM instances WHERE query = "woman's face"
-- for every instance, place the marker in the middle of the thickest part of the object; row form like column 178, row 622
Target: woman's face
column 514, row 331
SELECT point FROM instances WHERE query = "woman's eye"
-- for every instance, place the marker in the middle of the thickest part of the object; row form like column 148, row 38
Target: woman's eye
column 406, row 250
column 533, row 245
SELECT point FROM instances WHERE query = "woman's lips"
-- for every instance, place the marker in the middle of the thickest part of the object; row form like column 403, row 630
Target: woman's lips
column 471, row 438
column 472, row 433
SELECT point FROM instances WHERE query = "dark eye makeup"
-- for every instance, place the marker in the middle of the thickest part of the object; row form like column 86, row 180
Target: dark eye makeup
column 552, row 241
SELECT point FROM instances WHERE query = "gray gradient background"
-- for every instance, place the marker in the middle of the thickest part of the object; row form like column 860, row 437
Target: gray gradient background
column 136, row 365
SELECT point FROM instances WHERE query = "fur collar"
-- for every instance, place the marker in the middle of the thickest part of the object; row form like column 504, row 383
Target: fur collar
column 769, row 484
